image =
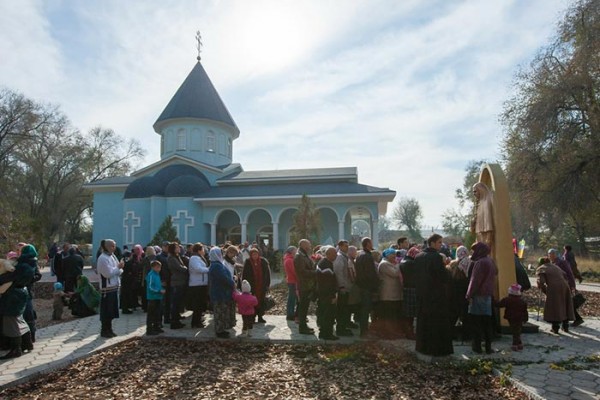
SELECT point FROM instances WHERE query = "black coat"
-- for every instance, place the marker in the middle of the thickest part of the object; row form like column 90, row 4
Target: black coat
column 326, row 282
column 248, row 275
column 367, row 277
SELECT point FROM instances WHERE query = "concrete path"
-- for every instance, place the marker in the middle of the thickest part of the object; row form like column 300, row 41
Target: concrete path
column 59, row 345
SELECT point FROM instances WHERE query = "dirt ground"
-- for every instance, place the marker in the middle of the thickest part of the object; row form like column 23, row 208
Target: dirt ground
column 175, row 369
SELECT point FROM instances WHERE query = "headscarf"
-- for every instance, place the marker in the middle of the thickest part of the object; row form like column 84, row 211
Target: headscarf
column 215, row 254
column 461, row 252
column 138, row 251
column 413, row 252
column 480, row 250
column 89, row 295
column 28, row 251
column 389, row 251
column 554, row 251
column 462, row 255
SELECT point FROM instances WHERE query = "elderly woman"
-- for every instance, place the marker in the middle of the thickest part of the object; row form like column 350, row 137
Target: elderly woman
column 390, row 294
column 230, row 254
column 221, row 291
column 131, row 281
column 258, row 274
column 198, row 285
column 479, row 295
column 458, row 288
column 14, row 300
column 553, row 282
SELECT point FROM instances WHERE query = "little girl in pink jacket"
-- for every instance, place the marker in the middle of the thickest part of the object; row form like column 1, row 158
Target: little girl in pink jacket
column 246, row 303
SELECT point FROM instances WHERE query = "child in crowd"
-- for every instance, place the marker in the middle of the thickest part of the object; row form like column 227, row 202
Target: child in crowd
column 154, row 295
column 515, row 313
column 246, row 306
column 60, row 301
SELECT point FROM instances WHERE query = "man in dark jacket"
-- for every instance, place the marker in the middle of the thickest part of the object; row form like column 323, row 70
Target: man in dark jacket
column 326, row 291
column 367, row 280
column 306, row 274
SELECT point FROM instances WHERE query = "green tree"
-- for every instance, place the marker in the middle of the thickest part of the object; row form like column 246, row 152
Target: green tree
column 552, row 131
column 407, row 213
column 166, row 232
column 307, row 222
column 45, row 161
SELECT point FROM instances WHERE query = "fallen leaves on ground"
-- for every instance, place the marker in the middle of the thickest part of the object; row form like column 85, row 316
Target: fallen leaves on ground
column 591, row 308
column 167, row 368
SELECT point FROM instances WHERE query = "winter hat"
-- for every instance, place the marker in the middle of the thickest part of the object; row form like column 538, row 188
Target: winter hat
column 58, row 286
column 12, row 255
column 246, row 286
column 515, row 289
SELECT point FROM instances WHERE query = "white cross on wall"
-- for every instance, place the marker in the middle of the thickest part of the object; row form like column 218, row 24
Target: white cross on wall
column 183, row 220
column 130, row 222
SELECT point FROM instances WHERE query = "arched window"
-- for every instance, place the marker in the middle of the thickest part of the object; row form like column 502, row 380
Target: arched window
column 222, row 144
column 181, row 139
column 229, row 150
column 210, row 142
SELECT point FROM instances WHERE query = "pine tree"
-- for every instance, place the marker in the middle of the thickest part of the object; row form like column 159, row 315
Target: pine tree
column 166, row 232
column 307, row 222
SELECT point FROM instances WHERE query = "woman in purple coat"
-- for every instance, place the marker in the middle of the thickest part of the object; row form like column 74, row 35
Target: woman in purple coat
column 479, row 295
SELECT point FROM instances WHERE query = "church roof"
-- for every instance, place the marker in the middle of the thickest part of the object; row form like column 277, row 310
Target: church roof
column 197, row 98
column 293, row 189
column 348, row 174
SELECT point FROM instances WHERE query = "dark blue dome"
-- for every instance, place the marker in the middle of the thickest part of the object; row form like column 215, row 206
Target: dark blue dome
column 167, row 174
column 143, row 187
column 187, row 186
column 173, row 181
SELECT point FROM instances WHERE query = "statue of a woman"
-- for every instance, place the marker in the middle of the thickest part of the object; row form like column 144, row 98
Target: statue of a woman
column 483, row 224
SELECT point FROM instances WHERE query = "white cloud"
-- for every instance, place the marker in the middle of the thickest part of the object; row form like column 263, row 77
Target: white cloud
column 407, row 91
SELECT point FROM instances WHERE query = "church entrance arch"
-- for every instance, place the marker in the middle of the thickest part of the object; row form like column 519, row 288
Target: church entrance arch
column 228, row 223
column 286, row 223
column 260, row 228
column 360, row 221
column 329, row 226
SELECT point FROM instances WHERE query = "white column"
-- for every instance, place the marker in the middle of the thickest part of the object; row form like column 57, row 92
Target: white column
column 213, row 234
column 244, row 235
column 341, row 230
column 275, row 236
column 375, row 234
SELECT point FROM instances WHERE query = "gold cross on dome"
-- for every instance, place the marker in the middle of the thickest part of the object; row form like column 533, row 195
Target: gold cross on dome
column 199, row 44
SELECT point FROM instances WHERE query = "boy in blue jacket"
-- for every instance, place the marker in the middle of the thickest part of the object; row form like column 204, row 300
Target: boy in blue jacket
column 154, row 294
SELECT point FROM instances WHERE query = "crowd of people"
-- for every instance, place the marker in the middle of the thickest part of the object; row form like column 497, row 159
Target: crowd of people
column 407, row 291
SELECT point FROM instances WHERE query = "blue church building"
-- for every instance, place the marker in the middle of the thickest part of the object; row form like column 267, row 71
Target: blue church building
column 211, row 199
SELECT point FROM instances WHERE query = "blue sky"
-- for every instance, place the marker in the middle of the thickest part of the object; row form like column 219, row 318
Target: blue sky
column 408, row 91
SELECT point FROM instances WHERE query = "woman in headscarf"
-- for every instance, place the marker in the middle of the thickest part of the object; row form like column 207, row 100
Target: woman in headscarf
column 198, row 285
column 221, row 287
column 553, row 282
column 409, row 291
column 479, row 295
column 258, row 274
column 14, row 301
column 89, row 298
column 458, row 289
column 390, row 294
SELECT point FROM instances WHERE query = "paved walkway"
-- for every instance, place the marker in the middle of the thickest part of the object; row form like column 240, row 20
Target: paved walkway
column 59, row 345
